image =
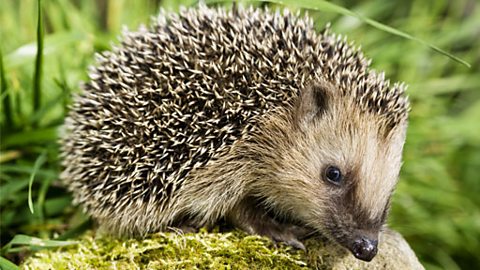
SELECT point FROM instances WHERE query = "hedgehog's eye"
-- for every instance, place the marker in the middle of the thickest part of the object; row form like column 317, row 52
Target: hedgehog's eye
column 333, row 175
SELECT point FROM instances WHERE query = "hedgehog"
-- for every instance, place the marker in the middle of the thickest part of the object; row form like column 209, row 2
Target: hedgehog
column 242, row 116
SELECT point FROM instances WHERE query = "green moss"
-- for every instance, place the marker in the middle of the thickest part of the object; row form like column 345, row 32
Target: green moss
column 170, row 251
column 215, row 251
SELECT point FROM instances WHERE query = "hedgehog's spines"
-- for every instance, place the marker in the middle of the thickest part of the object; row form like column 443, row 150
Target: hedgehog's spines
column 176, row 95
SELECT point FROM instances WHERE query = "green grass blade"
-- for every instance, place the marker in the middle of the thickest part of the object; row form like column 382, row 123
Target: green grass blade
column 53, row 45
column 33, row 243
column 56, row 206
column 37, row 80
column 40, row 135
column 77, row 230
column 42, row 196
column 10, row 189
column 37, row 116
column 331, row 7
column 326, row 6
column 27, row 169
column 4, row 94
column 7, row 265
column 399, row 33
column 62, row 83
column 38, row 163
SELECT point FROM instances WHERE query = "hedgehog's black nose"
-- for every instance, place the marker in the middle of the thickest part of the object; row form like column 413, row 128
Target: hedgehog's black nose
column 364, row 249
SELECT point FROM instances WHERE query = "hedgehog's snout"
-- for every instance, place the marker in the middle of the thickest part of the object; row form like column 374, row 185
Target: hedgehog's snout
column 364, row 248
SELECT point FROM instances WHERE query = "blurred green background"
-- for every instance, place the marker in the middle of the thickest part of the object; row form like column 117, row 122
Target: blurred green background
column 437, row 203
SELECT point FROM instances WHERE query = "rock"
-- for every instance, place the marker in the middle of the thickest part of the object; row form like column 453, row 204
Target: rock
column 394, row 253
column 205, row 250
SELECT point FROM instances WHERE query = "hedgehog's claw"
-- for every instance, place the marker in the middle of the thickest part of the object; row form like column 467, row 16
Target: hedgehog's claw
column 287, row 234
column 296, row 244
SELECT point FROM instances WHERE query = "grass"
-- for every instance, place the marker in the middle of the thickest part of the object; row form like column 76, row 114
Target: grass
column 436, row 205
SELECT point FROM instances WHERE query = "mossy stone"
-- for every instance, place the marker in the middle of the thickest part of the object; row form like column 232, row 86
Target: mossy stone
column 204, row 250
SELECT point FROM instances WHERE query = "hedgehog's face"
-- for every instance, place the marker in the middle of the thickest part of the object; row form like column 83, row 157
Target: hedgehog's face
column 346, row 165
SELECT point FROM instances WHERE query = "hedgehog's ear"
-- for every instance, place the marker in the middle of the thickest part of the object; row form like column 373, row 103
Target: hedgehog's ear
column 312, row 102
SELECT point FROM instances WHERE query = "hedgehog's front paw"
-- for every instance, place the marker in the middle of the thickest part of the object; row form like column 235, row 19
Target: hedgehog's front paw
column 284, row 233
column 287, row 234
column 278, row 232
